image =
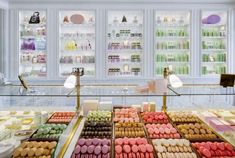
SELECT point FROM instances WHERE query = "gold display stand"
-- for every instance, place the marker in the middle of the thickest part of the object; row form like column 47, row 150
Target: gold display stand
column 166, row 73
column 78, row 72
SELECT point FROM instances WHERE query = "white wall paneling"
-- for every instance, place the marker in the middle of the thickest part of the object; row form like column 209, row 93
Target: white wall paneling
column 101, row 7
column 1, row 40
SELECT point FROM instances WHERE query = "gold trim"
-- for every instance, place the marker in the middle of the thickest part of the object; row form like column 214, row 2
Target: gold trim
column 70, row 137
column 164, row 106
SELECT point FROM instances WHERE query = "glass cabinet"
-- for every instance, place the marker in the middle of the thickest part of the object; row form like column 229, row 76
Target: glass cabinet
column 33, row 44
column 172, row 41
column 77, row 42
column 214, row 45
column 124, row 47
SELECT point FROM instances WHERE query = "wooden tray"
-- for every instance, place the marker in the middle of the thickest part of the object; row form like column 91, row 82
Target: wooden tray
column 149, row 141
column 182, row 122
column 58, row 122
column 142, row 120
column 41, row 139
column 112, row 128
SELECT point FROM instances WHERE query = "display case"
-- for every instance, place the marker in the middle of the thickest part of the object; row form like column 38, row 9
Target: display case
column 33, row 44
column 172, row 41
column 214, row 42
column 124, row 43
column 93, row 96
column 77, row 41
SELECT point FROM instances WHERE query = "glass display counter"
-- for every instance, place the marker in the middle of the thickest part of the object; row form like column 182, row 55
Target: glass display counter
column 39, row 103
column 37, row 106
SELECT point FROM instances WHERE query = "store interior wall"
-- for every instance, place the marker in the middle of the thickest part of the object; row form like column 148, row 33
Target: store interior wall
column 4, row 3
column 148, row 7
column 173, row 102
column 4, row 34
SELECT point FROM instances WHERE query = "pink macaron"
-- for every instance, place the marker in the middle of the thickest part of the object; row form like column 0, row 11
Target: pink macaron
column 118, row 149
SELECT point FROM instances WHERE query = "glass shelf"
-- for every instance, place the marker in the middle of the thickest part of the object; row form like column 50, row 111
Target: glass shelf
column 204, row 89
column 102, row 90
column 111, row 90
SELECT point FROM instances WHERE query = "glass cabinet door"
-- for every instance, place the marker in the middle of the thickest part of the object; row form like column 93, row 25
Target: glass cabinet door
column 124, row 49
column 172, row 42
column 213, row 42
column 77, row 42
column 32, row 44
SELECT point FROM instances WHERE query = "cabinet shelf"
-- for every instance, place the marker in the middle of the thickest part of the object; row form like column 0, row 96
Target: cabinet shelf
column 121, row 63
column 77, row 52
column 77, row 25
column 172, row 62
column 85, row 64
column 117, row 51
column 139, row 39
column 172, row 25
column 212, row 25
column 33, row 51
column 171, row 37
column 212, row 50
column 213, row 37
column 32, row 25
column 33, row 37
column 32, row 64
column 120, row 25
column 171, row 50
column 214, row 62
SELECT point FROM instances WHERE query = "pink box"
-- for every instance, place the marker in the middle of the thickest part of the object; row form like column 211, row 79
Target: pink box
column 219, row 125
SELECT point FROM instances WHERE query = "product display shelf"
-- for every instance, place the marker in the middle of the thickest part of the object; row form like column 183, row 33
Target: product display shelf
column 214, row 40
column 32, row 39
column 219, row 133
column 200, row 120
column 124, row 38
column 77, row 42
column 61, row 143
column 221, row 138
column 181, row 137
column 172, row 41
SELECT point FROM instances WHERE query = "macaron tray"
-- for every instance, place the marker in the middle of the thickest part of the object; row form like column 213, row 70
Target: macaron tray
column 35, row 149
column 96, row 136
column 133, row 148
column 48, row 132
column 127, row 123
column 93, row 147
column 98, row 124
column 154, row 118
column 197, row 132
column 182, row 117
column 61, row 117
column 42, row 143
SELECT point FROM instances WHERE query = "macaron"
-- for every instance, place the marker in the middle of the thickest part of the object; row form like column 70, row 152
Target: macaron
column 83, row 149
column 149, row 148
column 126, row 148
column 81, row 141
column 118, row 149
column 88, row 142
column 95, row 141
column 134, row 148
column 77, row 149
column 105, row 149
column 90, row 149
column 142, row 148
column 97, row 150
